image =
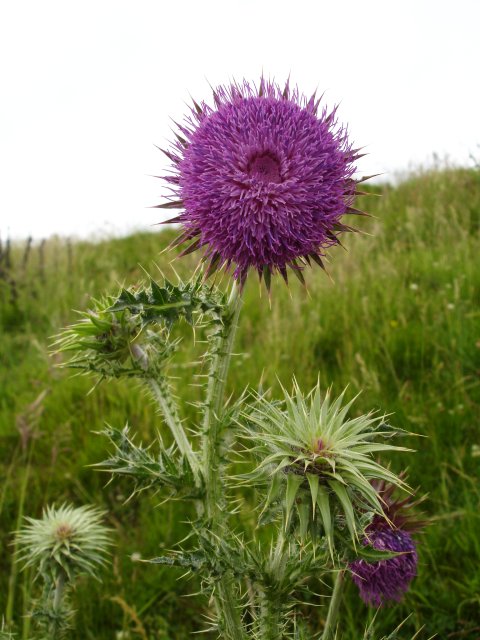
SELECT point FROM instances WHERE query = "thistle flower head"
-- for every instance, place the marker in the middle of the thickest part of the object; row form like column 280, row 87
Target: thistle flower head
column 66, row 539
column 325, row 459
column 384, row 580
column 389, row 579
column 264, row 177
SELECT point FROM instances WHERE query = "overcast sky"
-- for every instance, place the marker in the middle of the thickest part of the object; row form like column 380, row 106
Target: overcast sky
column 87, row 89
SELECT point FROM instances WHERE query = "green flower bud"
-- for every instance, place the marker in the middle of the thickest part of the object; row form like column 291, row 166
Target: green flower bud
column 65, row 540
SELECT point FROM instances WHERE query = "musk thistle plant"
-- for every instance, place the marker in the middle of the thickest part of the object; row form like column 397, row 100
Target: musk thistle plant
column 263, row 177
column 65, row 543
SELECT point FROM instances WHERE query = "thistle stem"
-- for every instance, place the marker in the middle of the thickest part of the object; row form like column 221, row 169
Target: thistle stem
column 225, row 602
column 270, row 617
column 163, row 397
column 59, row 590
column 58, row 622
column 271, row 605
column 214, row 407
column 331, row 622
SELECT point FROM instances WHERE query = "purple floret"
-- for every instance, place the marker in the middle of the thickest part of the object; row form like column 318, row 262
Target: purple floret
column 264, row 179
column 389, row 579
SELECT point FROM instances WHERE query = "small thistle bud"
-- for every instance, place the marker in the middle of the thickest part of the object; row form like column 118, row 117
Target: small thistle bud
column 129, row 335
column 388, row 580
column 65, row 540
column 324, row 458
column 102, row 340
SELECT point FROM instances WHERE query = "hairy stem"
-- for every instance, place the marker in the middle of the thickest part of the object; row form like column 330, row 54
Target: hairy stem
column 228, row 610
column 331, row 622
column 225, row 601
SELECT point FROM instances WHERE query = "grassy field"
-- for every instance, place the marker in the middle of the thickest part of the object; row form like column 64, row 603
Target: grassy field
column 399, row 319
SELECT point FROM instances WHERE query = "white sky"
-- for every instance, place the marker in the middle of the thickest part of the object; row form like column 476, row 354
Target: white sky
column 87, row 88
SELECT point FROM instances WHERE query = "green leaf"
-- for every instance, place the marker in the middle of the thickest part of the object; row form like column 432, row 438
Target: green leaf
column 370, row 554
column 193, row 561
column 273, row 492
column 159, row 295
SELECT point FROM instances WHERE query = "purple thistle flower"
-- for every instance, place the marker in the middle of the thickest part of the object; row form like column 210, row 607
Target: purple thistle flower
column 264, row 178
column 389, row 579
column 379, row 582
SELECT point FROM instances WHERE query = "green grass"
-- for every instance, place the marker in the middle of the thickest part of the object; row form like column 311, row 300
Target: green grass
column 400, row 321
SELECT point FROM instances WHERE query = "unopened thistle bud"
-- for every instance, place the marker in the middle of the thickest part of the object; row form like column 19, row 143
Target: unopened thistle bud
column 65, row 540
column 101, row 341
column 322, row 458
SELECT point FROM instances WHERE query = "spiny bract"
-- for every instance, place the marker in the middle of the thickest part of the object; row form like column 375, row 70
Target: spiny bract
column 263, row 177
column 324, row 458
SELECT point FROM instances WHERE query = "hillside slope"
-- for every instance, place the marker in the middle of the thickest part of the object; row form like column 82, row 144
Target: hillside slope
column 399, row 319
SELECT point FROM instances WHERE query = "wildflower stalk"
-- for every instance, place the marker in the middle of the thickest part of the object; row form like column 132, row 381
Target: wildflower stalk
column 163, row 397
column 56, row 614
column 331, row 622
column 212, row 420
column 214, row 481
column 316, row 466
column 165, row 402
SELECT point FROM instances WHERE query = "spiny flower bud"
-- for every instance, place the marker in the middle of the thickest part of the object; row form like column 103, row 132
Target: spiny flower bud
column 69, row 540
column 325, row 457
column 102, row 340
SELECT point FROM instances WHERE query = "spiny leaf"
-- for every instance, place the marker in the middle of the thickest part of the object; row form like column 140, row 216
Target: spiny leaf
column 370, row 554
column 293, row 484
column 313, row 481
column 347, row 507
column 323, row 503
column 303, row 510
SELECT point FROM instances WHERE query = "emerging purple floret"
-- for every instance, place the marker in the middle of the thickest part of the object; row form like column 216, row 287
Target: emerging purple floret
column 264, row 179
column 379, row 582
